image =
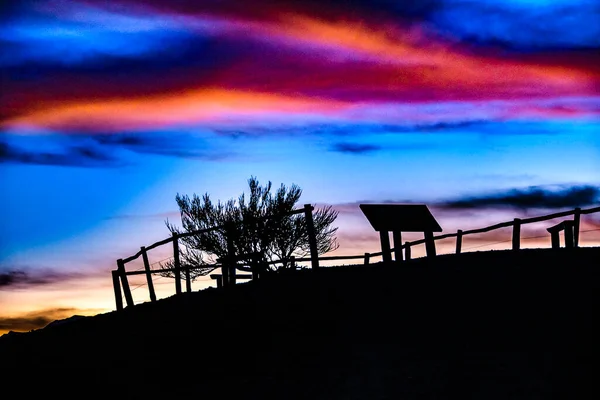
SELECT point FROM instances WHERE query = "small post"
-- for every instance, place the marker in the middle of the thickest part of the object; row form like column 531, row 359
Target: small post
column 231, row 263
column 384, row 238
column 397, row 236
column 125, row 282
column 367, row 258
column 407, row 254
column 188, row 279
column 263, row 268
column 293, row 263
column 219, row 281
column 555, row 239
column 516, row 235
column 459, row 234
column 117, row 287
column 255, row 267
column 576, row 224
column 429, row 244
column 177, row 265
column 224, row 273
column 569, row 237
column 148, row 274
column 312, row 238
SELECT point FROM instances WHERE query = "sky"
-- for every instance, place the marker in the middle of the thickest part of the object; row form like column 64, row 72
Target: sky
column 483, row 110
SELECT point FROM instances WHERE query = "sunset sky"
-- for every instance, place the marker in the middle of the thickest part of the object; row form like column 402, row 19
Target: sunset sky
column 484, row 110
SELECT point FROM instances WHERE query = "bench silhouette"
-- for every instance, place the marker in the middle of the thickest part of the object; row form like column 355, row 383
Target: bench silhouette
column 567, row 227
column 219, row 278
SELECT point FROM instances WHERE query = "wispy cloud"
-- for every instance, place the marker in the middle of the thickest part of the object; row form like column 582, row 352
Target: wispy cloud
column 355, row 148
column 163, row 144
column 551, row 197
column 72, row 156
column 109, row 150
column 531, row 197
column 163, row 215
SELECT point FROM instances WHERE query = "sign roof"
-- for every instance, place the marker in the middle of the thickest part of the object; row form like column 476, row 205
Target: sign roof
column 400, row 217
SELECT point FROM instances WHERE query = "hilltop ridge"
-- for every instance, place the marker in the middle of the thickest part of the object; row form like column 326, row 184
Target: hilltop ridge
column 489, row 325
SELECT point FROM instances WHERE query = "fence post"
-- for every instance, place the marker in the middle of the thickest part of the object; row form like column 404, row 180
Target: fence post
column 188, row 274
column 576, row 223
column 125, row 282
column 569, row 237
column 367, row 258
column 255, row 267
column 188, row 279
column 148, row 274
column 292, row 263
column 225, row 272
column 312, row 238
column 459, row 235
column 177, row 265
column 429, row 244
column 117, row 287
column 516, row 235
column 384, row 238
column 407, row 254
column 555, row 239
column 230, row 260
column 397, row 236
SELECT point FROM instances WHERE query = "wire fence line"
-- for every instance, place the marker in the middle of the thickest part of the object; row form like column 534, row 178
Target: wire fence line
column 523, row 238
column 591, row 230
column 487, row 244
column 161, row 261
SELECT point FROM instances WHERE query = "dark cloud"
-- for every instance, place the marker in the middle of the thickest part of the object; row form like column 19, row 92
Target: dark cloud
column 109, row 150
column 516, row 27
column 549, row 197
column 531, row 197
column 24, row 278
column 199, row 54
column 355, row 148
column 446, row 126
column 172, row 145
column 359, row 128
column 20, row 324
column 490, row 23
column 75, row 156
column 406, row 10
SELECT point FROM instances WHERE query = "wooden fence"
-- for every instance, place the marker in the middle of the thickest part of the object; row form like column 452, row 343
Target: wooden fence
column 570, row 228
column 228, row 266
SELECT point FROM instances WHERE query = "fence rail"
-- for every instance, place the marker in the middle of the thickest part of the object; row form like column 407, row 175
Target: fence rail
column 230, row 265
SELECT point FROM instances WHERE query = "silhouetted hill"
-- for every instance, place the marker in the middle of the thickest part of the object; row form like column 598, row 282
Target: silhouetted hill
column 489, row 325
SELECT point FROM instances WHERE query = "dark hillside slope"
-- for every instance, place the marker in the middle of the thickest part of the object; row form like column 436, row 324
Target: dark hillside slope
column 489, row 325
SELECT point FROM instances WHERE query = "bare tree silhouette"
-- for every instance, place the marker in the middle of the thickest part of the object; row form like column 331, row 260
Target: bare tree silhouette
column 258, row 224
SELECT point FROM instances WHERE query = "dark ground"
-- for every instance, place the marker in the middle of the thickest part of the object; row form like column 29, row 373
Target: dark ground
column 489, row 325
